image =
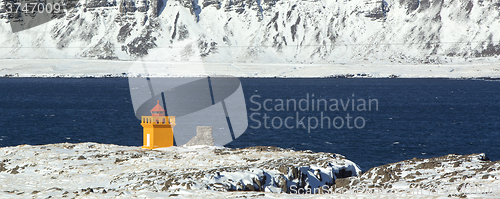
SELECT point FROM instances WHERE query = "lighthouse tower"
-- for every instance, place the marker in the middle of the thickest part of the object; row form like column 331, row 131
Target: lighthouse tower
column 158, row 129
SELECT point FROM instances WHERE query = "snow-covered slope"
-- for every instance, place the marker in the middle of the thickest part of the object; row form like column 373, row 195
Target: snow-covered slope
column 92, row 170
column 451, row 175
column 266, row 31
column 69, row 170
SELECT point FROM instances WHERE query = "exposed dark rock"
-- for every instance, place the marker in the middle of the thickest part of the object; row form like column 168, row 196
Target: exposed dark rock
column 14, row 170
column 379, row 11
column 130, row 6
column 103, row 50
column 183, row 32
column 124, row 32
column 343, row 173
column 426, row 174
column 428, row 165
column 167, row 184
column 410, row 5
column 206, row 49
column 140, row 45
column 283, row 170
column 175, row 25
column 2, row 168
column 342, row 182
column 100, row 3
column 259, row 182
column 293, row 28
column 214, row 3
column 249, row 187
column 424, row 5
column 265, row 148
column 118, row 160
column 282, row 183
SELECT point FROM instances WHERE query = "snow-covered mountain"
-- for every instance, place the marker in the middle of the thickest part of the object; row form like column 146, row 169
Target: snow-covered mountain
column 265, row 31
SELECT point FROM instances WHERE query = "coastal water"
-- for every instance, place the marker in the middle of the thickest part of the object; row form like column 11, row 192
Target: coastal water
column 370, row 121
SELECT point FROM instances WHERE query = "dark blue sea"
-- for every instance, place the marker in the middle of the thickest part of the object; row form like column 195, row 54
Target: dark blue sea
column 412, row 118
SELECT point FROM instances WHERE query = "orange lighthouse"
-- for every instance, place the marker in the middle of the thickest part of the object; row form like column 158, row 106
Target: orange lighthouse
column 158, row 129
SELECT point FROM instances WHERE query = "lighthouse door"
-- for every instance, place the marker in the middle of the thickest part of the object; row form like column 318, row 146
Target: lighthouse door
column 148, row 139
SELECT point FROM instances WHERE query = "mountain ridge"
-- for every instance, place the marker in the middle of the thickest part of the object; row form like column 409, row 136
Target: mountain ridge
column 269, row 31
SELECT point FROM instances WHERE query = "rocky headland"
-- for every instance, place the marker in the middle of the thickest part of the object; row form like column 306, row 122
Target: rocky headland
column 109, row 171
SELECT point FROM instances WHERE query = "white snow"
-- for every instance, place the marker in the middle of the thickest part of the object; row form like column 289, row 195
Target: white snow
column 108, row 171
column 101, row 68
column 92, row 170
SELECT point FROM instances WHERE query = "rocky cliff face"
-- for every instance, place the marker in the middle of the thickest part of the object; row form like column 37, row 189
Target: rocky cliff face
column 269, row 31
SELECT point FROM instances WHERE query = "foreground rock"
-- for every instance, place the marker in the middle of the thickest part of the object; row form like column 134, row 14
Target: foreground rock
column 109, row 171
column 103, row 170
column 451, row 175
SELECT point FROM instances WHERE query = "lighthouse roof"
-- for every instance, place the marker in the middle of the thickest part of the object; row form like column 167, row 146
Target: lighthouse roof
column 157, row 108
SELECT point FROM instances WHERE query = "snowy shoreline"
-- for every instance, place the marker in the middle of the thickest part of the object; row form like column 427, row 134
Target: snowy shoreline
column 110, row 171
column 76, row 68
